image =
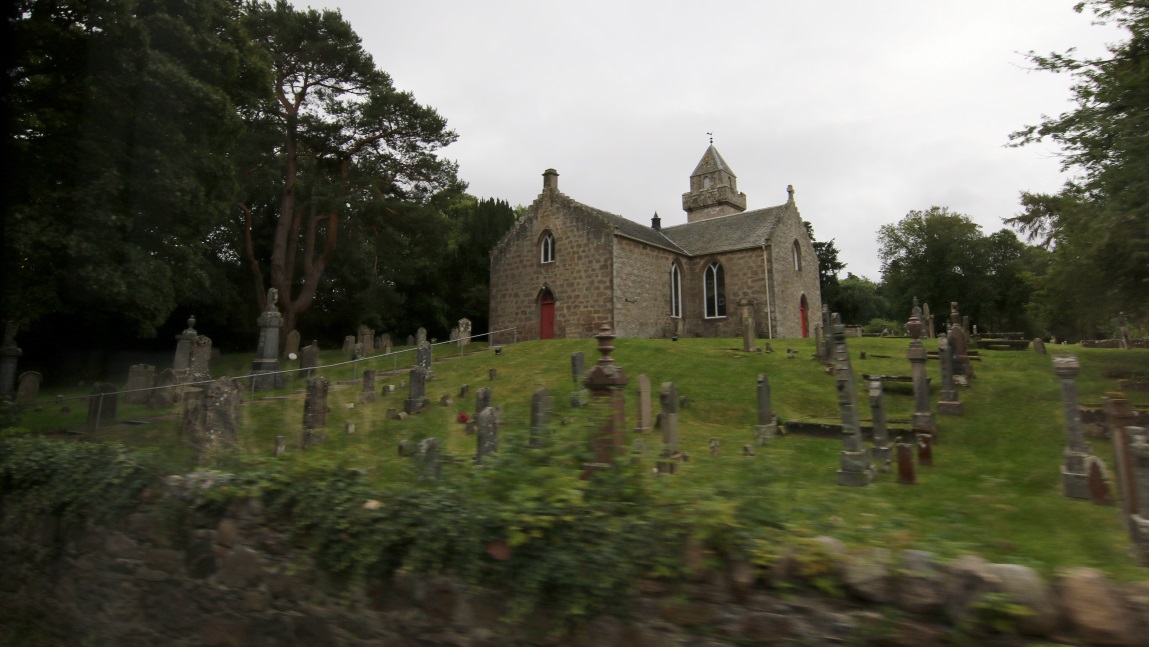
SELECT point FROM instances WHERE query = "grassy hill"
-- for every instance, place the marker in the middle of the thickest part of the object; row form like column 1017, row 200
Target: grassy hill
column 994, row 489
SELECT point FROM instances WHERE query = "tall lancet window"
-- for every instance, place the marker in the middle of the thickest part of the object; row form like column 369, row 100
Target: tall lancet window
column 714, row 286
column 547, row 248
column 675, row 291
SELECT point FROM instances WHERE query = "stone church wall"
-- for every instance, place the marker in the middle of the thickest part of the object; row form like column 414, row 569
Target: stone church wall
column 580, row 276
column 791, row 284
column 745, row 273
column 642, row 290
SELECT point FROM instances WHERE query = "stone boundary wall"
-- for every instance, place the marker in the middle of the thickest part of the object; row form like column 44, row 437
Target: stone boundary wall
column 238, row 578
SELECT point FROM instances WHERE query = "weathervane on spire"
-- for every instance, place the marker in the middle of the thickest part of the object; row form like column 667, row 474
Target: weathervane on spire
column 711, row 137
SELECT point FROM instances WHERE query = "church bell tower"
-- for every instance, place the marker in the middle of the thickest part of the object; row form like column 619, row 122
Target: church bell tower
column 713, row 189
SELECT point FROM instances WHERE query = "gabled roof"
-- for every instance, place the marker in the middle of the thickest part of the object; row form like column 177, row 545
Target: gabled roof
column 628, row 228
column 711, row 161
column 726, row 233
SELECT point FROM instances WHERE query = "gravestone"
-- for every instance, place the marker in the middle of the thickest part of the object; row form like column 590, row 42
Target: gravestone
column 291, row 345
column 854, row 467
column 1039, row 345
column 309, row 359
column 818, row 345
column 948, row 403
column 199, row 364
column 960, row 344
column 167, row 392
column 423, row 356
column 366, row 340
column 427, row 460
column 367, row 393
column 182, row 360
column 420, row 334
column 1119, row 419
column 606, row 382
column 464, row 390
column 482, row 399
column 767, row 426
column 923, row 418
column 540, row 417
column 906, row 472
column 348, row 346
column 488, row 434
column 827, row 336
column 211, row 419
column 315, row 407
column 880, row 452
column 928, row 321
column 417, row 392
column 1074, row 475
column 385, row 345
column 1123, row 330
column 141, row 377
column 29, row 388
column 265, row 368
column 644, row 422
column 746, row 314
column 578, row 370
column 1137, row 448
column 670, row 457
column 925, row 448
column 378, row 343
column 410, row 340
column 464, row 328
column 9, row 355
column 101, row 404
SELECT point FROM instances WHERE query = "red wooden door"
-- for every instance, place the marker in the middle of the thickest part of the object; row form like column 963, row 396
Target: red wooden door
column 547, row 316
column 805, row 319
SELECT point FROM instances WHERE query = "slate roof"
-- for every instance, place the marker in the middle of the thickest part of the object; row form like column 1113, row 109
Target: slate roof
column 711, row 161
column 632, row 229
column 726, row 233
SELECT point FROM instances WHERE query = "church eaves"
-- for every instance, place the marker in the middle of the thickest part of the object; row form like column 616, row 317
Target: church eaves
column 727, row 233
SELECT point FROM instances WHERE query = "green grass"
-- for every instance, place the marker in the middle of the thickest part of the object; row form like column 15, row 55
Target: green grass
column 994, row 489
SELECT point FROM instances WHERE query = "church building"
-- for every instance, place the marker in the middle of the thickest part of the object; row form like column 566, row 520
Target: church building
column 566, row 268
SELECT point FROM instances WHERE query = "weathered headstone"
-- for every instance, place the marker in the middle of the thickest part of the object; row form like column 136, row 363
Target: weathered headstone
column 746, row 314
column 906, row 471
column 925, row 448
column 265, row 368
column 540, row 417
column 366, row 340
column 385, row 344
column 420, row 334
column 464, row 328
column 880, row 452
column 1074, row 475
column 464, row 390
column 928, row 321
column 482, row 400
column 854, row 467
column 578, row 367
column 1039, row 345
column 348, row 345
column 211, row 418
column 309, row 359
column 818, row 345
column 102, row 404
column 423, row 355
column 767, row 426
column 488, row 433
column 29, row 388
column 182, row 360
column 644, row 422
column 605, row 383
column 291, row 345
column 923, row 418
column 199, row 364
column 1137, row 449
column 9, row 355
column 827, row 336
column 141, row 377
column 948, row 403
column 315, row 407
column 427, row 461
column 367, row 393
column 167, row 392
column 959, row 344
column 410, row 340
column 417, row 392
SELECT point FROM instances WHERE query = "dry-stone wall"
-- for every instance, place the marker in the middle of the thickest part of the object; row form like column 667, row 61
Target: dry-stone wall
column 237, row 577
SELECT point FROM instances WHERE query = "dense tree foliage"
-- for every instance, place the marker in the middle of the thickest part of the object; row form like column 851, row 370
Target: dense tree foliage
column 1097, row 226
column 828, row 268
column 939, row 256
column 123, row 115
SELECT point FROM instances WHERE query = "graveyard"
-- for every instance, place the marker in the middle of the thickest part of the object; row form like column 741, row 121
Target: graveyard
column 993, row 489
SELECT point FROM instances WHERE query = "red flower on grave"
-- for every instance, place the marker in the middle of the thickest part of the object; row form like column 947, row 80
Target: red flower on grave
column 463, row 418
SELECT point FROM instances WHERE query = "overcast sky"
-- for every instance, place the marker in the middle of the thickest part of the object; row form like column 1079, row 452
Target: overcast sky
column 870, row 109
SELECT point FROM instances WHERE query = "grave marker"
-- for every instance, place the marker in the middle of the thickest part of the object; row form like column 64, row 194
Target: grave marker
column 309, row 359
column 291, row 345
column 948, row 403
column 643, row 423
column 767, row 426
column 211, row 418
column 265, row 368
column 200, row 361
column 315, row 407
column 29, row 388
column 606, row 382
column 367, row 394
column 417, row 392
column 540, row 417
column 746, row 314
column 880, row 452
column 166, row 393
column 923, row 418
column 854, row 467
column 140, row 378
column 182, row 359
column 488, row 434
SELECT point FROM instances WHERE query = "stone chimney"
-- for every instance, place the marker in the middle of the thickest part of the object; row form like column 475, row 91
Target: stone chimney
column 550, row 179
column 656, row 222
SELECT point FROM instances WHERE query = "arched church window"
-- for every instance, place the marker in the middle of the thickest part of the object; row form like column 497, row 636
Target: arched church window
column 675, row 291
column 797, row 252
column 706, row 182
column 714, row 287
column 547, row 248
